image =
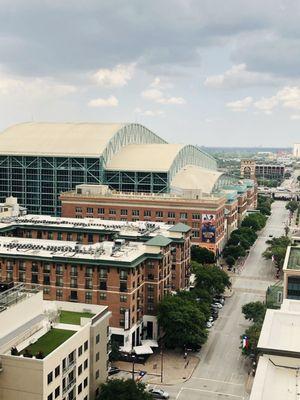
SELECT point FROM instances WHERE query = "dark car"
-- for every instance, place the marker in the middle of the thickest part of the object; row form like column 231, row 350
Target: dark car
column 113, row 370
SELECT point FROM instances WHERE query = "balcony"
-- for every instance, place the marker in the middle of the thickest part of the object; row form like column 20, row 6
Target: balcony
column 69, row 386
column 69, row 366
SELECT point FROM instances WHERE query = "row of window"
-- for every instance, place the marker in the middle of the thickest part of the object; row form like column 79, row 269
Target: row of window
column 136, row 213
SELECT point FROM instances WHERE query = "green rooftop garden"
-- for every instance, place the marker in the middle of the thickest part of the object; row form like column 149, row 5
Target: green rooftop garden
column 49, row 342
column 72, row 317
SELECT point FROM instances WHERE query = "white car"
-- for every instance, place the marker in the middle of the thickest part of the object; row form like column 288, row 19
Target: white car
column 217, row 305
column 159, row 394
column 210, row 319
column 209, row 324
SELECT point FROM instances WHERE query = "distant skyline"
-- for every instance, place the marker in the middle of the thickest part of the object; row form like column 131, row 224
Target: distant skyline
column 207, row 72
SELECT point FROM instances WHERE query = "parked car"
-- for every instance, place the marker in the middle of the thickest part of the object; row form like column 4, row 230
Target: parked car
column 210, row 319
column 159, row 394
column 217, row 305
column 113, row 370
column 219, row 299
column 209, row 324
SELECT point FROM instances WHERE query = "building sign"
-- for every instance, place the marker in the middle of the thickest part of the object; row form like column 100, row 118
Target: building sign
column 208, row 228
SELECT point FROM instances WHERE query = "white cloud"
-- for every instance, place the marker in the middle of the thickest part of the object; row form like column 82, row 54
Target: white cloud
column 158, row 96
column 149, row 113
column 266, row 104
column 240, row 105
column 157, row 83
column 238, row 76
column 116, row 77
column 111, row 101
column 289, row 97
column 295, row 117
column 36, row 87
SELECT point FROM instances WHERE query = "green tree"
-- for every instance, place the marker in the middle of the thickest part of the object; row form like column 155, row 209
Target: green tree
column 119, row 389
column 202, row 255
column 230, row 261
column 234, row 251
column 255, row 221
column 212, row 279
column 203, row 304
column 292, row 206
column 276, row 250
column 114, row 352
column 252, row 333
column 254, row 311
column 183, row 323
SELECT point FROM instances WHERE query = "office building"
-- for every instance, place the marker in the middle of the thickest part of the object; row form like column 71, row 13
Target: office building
column 51, row 349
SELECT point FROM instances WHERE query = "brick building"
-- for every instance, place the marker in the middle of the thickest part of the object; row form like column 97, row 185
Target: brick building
column 130, row 278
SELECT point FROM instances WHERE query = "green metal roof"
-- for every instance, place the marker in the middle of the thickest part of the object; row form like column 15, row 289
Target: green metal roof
column 159, row 240
column 180, row 227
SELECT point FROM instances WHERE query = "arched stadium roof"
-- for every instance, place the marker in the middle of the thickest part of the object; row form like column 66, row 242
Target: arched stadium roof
column 73, row 139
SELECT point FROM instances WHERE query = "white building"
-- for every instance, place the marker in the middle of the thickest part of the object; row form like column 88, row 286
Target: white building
column 11, row 208
column 296, row 150
column 278, row 371
column 50, row 350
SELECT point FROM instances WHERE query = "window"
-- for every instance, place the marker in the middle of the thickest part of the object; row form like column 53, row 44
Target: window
column 124, row 212
column 86, row 345
column 159, row 214
column 97, row 338
column 79, row 351
column 183, row 215
column 86, row 363
column 80, row 388
column 69, row 236
column 85, row 382
column 78, row 209
column 122, row 310
column 80, row 369
column 123, row 275
column 171, row 214
column 50, row 377
column 89, row 210
column 88, row 297
column 57, row 392
column 57, row 371
column 195, row 234
column 147, row 213
column 50, row 397
column 97, row 356
column 136, row 213
column 97, row 374
column 112, row 211
column 196, row 216
column 123, row 298
column 102, row 296
column 150, row 307
column 100, row 210
column 59, row 236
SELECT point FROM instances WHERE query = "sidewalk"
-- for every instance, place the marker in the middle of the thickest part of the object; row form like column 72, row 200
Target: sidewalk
column 175, row 368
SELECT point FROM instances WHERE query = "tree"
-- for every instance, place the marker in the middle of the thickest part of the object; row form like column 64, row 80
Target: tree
column 202, row 255
column 114, row 351
column 212, row 279
column 277, row 250
column 183, row 323
column 234, row 251
column 254, row 311
column 255, row 221
column 253, row 334
column 230, row 261
column 292, row 206
column 119, row 389
column 203, row 304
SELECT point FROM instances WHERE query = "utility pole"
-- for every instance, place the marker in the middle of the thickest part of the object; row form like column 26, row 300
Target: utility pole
column 133, row 361
column 161, row 364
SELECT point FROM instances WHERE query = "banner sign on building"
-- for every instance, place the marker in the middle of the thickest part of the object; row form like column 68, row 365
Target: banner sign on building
column 127, row 319
column 208, row 228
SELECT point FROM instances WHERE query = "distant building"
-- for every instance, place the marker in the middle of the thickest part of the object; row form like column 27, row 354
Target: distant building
column 296, row 150
column 11, row 208
column 250, row 169
column 51, row 349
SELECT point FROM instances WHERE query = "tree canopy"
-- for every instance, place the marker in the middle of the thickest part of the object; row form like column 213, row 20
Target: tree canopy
column 119, row 389
column 211, row 278
column 254, row 311
column 234, row 251
column 292, row 206
column 202, row 255
column 255, row 221
column 182, row 321
column 277, row 249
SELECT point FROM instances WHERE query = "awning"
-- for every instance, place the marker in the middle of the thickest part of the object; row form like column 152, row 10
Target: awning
column 149, row 342
column 126, row 348
column 139, row 350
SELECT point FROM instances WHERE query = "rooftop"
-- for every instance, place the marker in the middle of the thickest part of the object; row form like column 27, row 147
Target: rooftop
column 73, row 317
column 293, row 258
column 159, row 240
column 58, row 250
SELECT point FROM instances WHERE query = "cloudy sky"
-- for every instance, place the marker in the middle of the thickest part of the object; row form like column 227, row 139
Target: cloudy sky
column 209, row 72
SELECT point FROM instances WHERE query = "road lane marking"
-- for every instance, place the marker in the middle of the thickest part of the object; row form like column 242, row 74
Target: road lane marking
column 212, row 392
column 179, row 393
column 215, row 380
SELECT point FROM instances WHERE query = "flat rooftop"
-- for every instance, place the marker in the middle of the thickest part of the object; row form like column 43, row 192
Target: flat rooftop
column 61, row 250
column 280, row 332
column 276, row 378
column 123, row 228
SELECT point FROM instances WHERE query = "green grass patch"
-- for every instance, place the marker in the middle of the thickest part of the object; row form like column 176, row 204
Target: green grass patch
column 50, row 341
column 72, row 317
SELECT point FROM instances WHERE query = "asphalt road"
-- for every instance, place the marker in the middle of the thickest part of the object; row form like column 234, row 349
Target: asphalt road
column 223, row 372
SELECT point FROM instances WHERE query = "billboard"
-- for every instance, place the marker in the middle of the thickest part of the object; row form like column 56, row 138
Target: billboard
column 208, row 228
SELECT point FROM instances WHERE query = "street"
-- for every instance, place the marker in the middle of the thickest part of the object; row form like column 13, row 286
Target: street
column 223, row 372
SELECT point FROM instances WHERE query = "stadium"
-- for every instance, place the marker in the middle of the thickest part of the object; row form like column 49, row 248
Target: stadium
column 38, row 161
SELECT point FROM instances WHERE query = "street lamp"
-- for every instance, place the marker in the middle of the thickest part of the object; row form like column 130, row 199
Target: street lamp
column 133, row 361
